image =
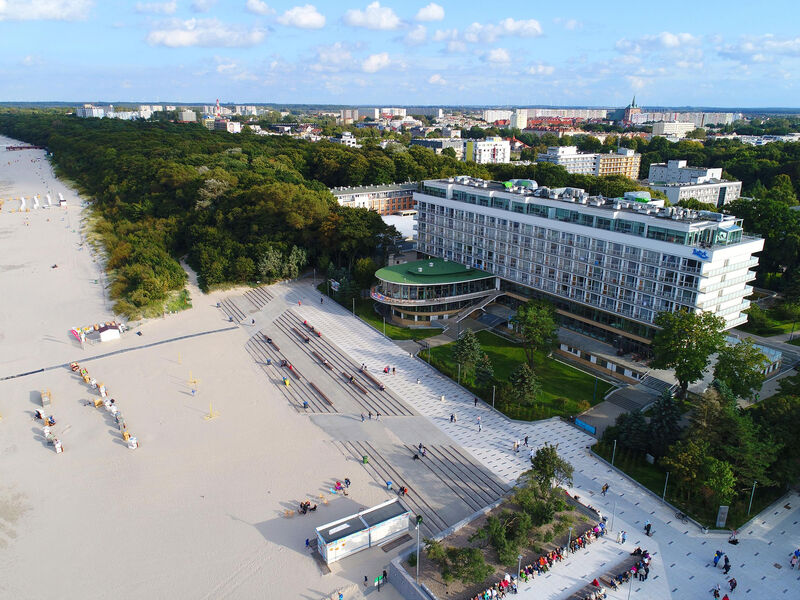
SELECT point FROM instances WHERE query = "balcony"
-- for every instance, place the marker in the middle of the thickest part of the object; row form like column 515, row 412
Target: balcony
column 752, row 262
column 743, row 293
column 378, row 297
column 723, row 284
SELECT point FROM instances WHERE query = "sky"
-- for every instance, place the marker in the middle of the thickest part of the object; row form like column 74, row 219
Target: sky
column 388, row 52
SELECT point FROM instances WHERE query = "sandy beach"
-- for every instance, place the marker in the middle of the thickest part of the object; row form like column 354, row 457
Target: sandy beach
column 198, row 510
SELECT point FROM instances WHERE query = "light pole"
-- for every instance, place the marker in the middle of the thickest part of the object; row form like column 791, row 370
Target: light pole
column 315, row 279
column 614, row 453
column 569, row 542
column 519, row 565
column 613, row 514
column 665, row 487
column 354, row 307
column 594, row 394
column 631, row 585
column 384, row 326
column 419, row 558
column 753, row 493
column 459, row 373
column 493, row 389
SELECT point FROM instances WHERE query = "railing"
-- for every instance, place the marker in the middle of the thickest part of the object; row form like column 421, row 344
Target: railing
column 722, row 284
column 735, row 267
column 738, row 308
column 378, row 297
column 748, row 289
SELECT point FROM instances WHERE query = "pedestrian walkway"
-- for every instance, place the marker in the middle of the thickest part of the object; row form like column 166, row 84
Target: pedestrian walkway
column 681, row 565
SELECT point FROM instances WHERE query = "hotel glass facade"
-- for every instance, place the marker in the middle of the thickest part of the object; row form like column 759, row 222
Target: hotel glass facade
column 609, row 266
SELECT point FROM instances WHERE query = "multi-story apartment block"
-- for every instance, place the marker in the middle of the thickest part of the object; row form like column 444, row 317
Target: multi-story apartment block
column 623, row 162
column 680, row 182
column 673, row 129
column 88, row 111
column 582, row 163
column 519, row 118
column 383, row 199
column 229, row 126
column 493, row 115
column 489, row 151
column 187, row 116
column 569, row 113
column 609, row 265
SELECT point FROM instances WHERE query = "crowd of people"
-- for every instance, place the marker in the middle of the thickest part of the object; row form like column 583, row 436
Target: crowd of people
column 507, row 585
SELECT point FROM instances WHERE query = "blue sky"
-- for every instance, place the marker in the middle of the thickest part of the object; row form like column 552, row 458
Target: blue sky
column 512, row 52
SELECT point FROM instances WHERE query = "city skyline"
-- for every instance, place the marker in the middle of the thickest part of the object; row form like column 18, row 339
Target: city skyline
column 443, row 53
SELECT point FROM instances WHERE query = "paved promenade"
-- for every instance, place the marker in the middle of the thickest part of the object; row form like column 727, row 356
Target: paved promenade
column 682, row 554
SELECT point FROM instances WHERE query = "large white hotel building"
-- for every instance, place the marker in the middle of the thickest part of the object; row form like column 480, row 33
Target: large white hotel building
column 608, row 265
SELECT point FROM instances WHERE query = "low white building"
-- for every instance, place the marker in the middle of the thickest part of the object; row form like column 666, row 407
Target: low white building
column 88, row 111
column 489, row 151
column 582, row 163
column 229, row 126
column 187, row 116
column 347, row 139
column 681, row 182
column 492, row 115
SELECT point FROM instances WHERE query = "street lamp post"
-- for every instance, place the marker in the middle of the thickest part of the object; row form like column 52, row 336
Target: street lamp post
column 594, row 394
column 569, row 542
column 459, row 373
column 384, row 326
column 753, row 493
column 419, row 558
column 613, row 514
column 354, row 307
column 494, row 387
column 614, row 453
column 665, row 487
column 629, row 587
column 519, row 565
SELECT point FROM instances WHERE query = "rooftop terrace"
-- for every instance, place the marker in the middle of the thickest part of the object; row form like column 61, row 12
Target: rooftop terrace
column 435, row 271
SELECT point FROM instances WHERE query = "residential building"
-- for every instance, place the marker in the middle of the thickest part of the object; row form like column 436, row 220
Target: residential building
column 674, row 129
column 492, row 115
column 384, row 199
column 519, row 118
column 348, row 116
column 569, row 113
column 169, row 107
column 347, row 139
column 439, row 144
column 229, row 126
column 426, row 111
column 88, row 111
column 681, row 182
column 699, row 119
column 187, row 116
column 491, row 150
column 624, row 161
column 608, row 265
column 451, row 132
column 582, row 163
column 393, row 112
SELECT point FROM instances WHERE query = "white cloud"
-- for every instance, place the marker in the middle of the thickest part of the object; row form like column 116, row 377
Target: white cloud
column 659, row 41
column 568, row 24
column 159, row 8
column 456, row 47
column 332, row 58
column 304, row 17
column 431, row 12
column 259, row 7
column 374, row 16
column 478, row 32
column 208, row 33
column 445, row 34
column 417, row 35
column 44, row 10
column 541, row 69
column 203, row 5
column 760, row 49
column 437, row 79
column 376, row 62
column 498, row 55
column 637, row 83
column 226, row 67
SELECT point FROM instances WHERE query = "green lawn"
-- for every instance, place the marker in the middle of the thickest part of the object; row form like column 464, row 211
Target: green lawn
column 774, row 322
column 794, row 342
column 653, row 478
column 558, row 380
column 366, row 312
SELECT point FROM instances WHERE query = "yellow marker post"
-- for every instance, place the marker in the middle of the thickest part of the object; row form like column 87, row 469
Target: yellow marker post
column 211, row 414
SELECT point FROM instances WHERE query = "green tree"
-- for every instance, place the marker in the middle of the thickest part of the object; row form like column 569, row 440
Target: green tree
column 524, row 385
column 364, row 271
column 782, row 190
column 484, row 372
column 449, row 152
column 740, row 367
column 664, row 429
column 686, row 461
column 685, row 342
column 535, row 322
column 779, row 415
column 467, row 351
column 270, row 264
column 633, row 431
column 719, row 480
column 548, row 469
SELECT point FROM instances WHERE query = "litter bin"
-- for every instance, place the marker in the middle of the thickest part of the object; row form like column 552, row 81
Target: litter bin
column 364, row 459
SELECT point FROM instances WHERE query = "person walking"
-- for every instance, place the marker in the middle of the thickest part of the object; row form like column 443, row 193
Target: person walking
column 378, row 416
column 733, row 583
column 619, row 537
column 346, row 482
column 717, row 556
column 648, row 526
column 476, row 401
column 385, row 576
column 452, row 417
column 455, row 418
column 526, row 440
column 479, row 424
column 727, row 566
column 604, row 489
column 362, row 417
column 366, row 581
column 370, row 415
column 624, row 536
column 715, row 591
